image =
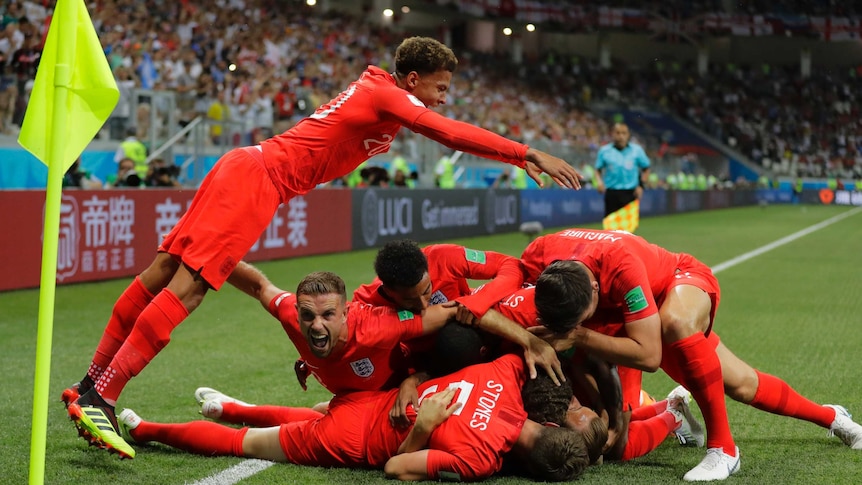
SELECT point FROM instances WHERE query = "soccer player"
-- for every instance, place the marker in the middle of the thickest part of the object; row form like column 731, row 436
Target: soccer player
column 665, row 303
column 238, row 198
column 464, row 423
column 412, row 278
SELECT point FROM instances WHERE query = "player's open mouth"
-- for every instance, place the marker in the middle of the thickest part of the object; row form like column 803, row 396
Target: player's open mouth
column 318, row 341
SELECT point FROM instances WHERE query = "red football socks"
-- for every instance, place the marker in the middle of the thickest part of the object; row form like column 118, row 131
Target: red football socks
column 776, row 396
column 151, row 333
column 646, row 412
column 199, row 437
column 265, row 416
column 647, row 435
column 692, row 362
column 126, row 310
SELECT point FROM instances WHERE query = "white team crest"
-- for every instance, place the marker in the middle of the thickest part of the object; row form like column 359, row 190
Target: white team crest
column 437, row 298
column 363, row 367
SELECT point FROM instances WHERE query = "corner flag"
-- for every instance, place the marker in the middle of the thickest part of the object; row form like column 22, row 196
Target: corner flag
column 72, row 97
column 626, row 218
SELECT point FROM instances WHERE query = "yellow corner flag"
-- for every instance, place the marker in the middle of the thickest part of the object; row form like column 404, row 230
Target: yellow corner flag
column 627, row 218
column 92, row 91
column 72, row 98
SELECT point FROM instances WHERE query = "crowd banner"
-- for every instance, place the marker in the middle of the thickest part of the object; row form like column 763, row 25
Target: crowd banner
column 114, row 233
column 383, row 215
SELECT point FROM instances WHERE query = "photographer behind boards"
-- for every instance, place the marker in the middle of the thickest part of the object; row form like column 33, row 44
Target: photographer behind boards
column 126, row 175
column 162, row 174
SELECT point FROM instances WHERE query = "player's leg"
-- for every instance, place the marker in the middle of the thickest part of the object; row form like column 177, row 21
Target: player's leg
column 769, row 393
column 126, row 310
column 152, row 330
column 93, row 412
column 203, row 437
column 221, row 407
column 690, row 360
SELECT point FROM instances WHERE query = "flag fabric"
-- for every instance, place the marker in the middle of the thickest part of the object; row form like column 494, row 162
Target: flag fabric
column 626, row 219
column 92, row 91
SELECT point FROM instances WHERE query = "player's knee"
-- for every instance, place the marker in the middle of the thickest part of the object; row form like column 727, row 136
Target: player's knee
column 741, row 384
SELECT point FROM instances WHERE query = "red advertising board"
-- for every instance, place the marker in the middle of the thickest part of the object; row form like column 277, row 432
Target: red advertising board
column 114, row 233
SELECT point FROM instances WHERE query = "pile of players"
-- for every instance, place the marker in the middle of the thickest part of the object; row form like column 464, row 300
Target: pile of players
column 611, row 303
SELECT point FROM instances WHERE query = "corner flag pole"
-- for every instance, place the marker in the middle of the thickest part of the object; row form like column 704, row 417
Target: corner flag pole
column 64, row 21
column 73, row 95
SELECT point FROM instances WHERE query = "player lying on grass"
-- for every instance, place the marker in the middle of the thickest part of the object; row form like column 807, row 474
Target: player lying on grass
column 464, row 424
column 665, row 303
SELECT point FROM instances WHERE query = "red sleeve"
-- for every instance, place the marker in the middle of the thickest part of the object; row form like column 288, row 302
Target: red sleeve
column 505, row 274
column 448, row 467
column 284, row 298
column 385, row 327
column 520, row 307
column 452, row 133
column 630, row 288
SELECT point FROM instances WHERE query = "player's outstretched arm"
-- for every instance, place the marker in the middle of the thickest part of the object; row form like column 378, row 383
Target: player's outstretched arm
column 254, row 283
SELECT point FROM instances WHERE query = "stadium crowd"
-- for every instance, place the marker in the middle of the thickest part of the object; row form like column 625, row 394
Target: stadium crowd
column 262, row 77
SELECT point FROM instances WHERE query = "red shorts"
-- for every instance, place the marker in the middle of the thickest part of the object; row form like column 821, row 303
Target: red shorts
column 692, row 272
column 230, row 210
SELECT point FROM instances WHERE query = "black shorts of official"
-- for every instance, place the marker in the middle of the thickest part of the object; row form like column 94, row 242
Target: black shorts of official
column 616, row 199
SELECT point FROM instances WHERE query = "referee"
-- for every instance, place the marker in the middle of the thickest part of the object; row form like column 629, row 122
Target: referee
column 621, row 167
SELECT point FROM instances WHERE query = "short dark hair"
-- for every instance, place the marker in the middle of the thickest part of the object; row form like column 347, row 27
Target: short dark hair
column 544, row 401
column 400, row 264
column 424, row 55
column 559, row 455
column 563, row 294
column 321, row 283
column 455, row 347
column 595, row 436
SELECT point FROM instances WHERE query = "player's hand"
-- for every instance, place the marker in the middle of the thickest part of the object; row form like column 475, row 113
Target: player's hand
column 436, row 408
column 302, row 372
column 563, row 174
column 540, row 353
column 559, row 342
column 600, row 187
column 407, row 395
column 639, row 191
column 465, row 317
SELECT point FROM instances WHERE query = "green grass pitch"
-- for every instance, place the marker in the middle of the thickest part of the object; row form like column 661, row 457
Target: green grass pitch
column 795, row 311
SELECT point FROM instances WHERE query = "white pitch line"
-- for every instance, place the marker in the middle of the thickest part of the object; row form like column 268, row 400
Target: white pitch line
column 248, row 468
column 236, row 473
column 785, row 240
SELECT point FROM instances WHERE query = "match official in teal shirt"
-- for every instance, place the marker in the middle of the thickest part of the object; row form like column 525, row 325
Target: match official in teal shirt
column 621, row 166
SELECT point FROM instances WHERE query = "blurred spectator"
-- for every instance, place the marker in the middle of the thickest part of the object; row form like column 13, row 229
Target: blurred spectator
column 78, row 178
column 133, row 149
column 162, row 174
column 126, row 175
column 218, row 112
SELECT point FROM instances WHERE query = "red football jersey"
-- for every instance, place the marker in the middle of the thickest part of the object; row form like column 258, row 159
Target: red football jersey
column 370, row 360
column 362, row 122
column 471, row 443
column 449, row 268
column 356, row 431
column 631, row 272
